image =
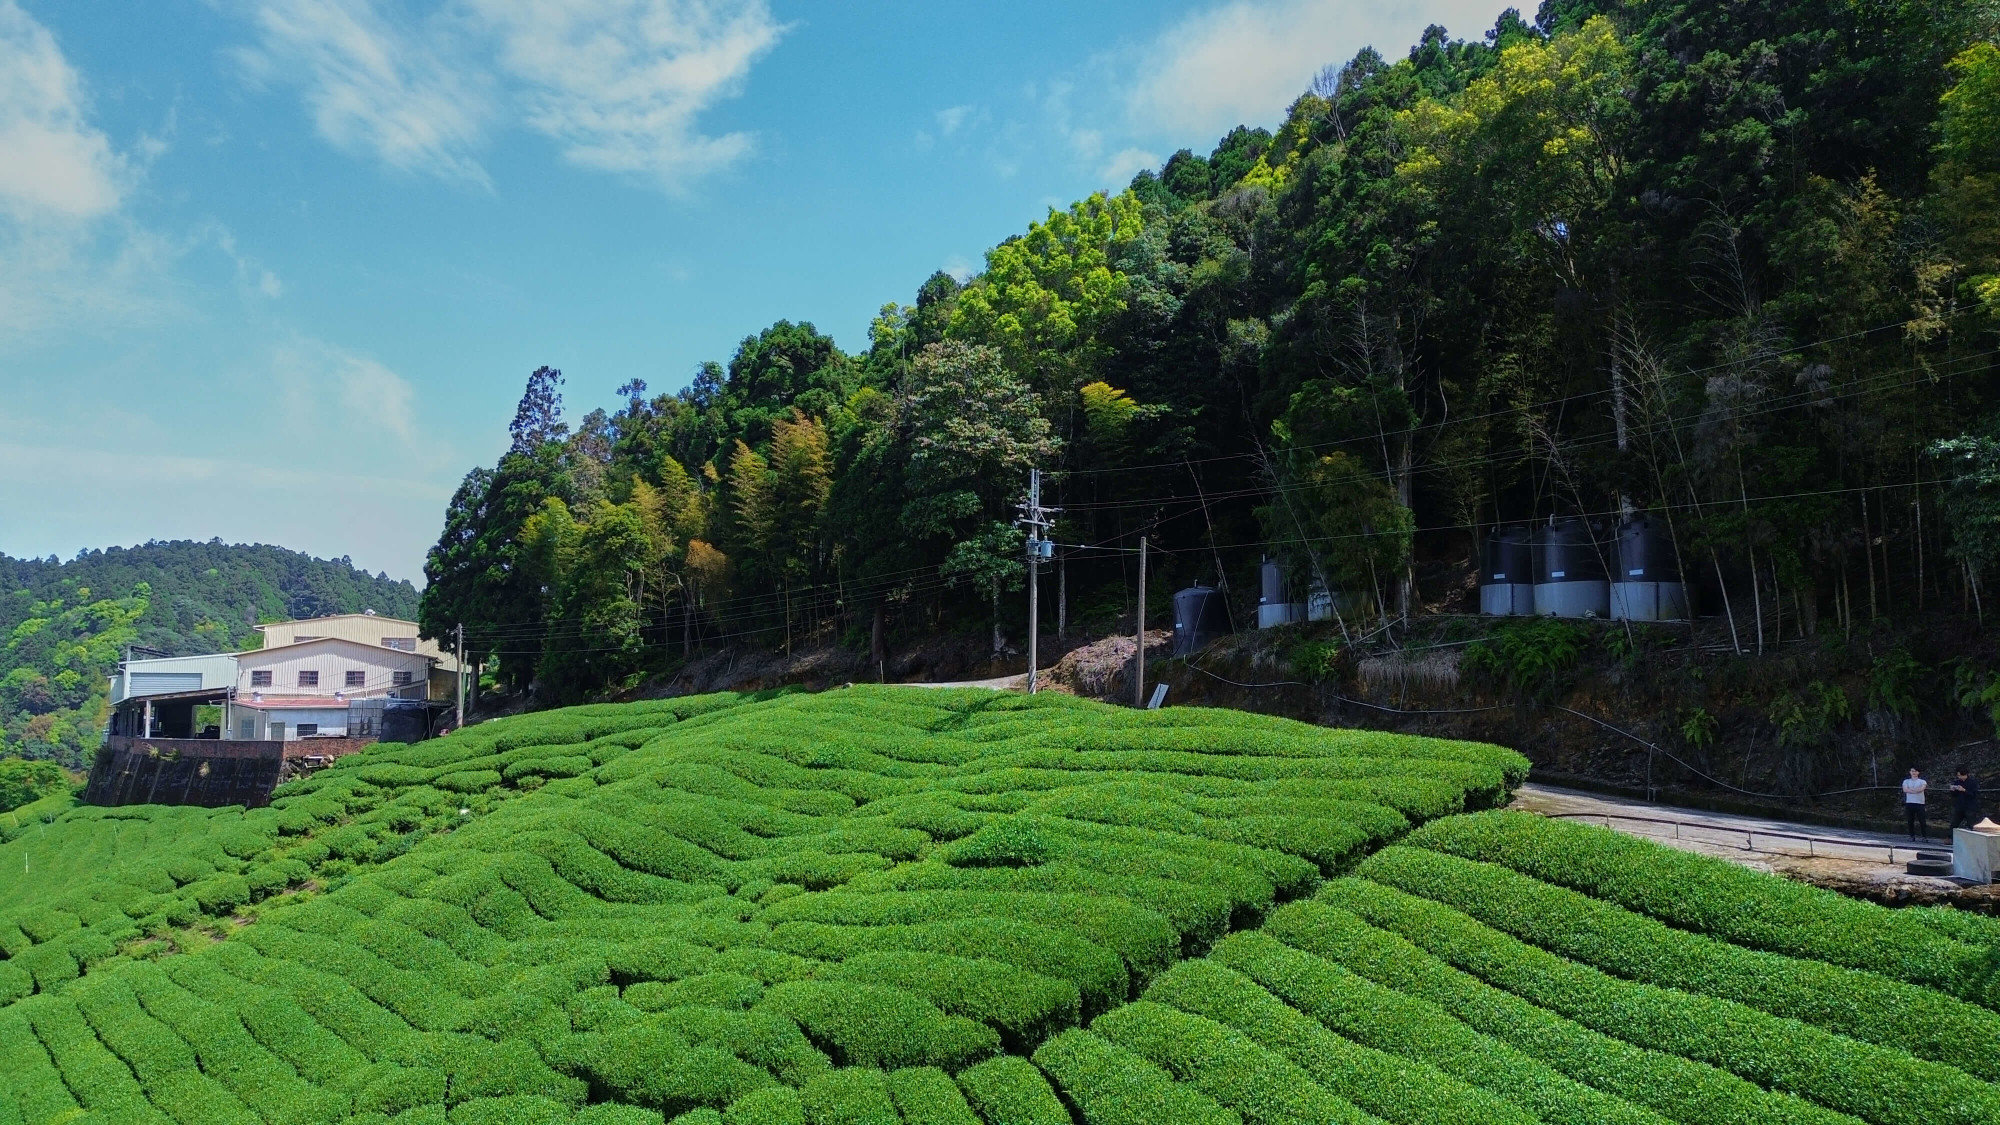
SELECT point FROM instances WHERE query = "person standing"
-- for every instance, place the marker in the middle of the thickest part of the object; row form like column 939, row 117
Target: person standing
column 1964, row 799
column 1913, row 805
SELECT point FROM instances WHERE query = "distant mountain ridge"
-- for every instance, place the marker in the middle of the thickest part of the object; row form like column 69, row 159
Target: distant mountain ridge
column 64, row 624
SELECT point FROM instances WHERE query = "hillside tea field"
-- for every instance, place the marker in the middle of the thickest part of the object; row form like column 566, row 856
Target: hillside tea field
column 898, row 905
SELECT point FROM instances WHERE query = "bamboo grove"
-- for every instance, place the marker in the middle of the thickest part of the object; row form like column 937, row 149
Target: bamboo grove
column 1736, row 264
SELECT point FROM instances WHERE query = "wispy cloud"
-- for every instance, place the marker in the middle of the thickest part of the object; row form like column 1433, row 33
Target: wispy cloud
column 949, row 119
column 56, row 164
column 1124, row 164
column 618, row 85
column 375, row 85
column 70, row 256
column 1243, row 62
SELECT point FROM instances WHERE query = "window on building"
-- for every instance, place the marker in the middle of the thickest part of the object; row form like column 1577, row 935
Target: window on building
column 246, row 729
column 356, row 679
column 260, row 678
column 400, row 644
column 308, row 728
column 402, row 679
column 309, row 679
column 277, row 732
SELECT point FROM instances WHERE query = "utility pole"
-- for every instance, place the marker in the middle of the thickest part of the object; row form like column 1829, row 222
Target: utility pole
column 1035, row 518
column 1139, row 679
column 459, row 632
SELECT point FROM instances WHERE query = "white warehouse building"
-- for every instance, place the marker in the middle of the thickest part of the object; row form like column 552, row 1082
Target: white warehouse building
column 322, row 677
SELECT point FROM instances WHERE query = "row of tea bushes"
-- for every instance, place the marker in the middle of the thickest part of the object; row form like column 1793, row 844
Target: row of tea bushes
column 872, row 904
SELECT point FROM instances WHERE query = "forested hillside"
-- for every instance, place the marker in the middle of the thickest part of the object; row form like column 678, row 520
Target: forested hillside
column 1732, row 262
column 64, row 625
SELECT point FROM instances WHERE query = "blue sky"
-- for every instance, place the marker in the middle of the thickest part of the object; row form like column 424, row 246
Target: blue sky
column 276, row 270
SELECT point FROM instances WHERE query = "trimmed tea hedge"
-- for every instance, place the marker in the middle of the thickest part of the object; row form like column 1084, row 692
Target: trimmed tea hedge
column 947, row 907
column 871, row 904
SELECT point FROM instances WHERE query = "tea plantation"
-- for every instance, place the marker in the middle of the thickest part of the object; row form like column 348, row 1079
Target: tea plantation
column 899, row 905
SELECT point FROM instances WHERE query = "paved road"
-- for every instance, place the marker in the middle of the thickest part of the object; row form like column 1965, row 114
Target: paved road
column 1754, row 841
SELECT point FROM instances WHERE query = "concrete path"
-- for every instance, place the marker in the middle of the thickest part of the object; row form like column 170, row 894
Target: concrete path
column 1780, row 846
column 1017, row 682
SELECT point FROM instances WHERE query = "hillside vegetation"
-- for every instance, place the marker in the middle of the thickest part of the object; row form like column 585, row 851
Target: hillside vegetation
column 897, row 905
column 64, row 625
column 1734, row 264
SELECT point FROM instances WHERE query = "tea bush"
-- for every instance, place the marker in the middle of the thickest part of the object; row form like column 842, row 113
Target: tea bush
column 951, row 907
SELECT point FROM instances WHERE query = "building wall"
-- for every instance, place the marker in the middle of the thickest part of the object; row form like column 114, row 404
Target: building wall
column 369, row 630
column 332, row 661
column 216, row 671
column 247, row 722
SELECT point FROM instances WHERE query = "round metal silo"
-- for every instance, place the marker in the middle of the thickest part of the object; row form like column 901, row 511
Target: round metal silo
column 1507, row 573
column 1646, row 585
column 1569, row 571
column 1199, row 617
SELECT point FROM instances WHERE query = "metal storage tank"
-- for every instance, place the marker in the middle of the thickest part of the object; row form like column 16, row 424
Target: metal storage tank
column 1569, row 571
column 1647, row 585
column 1507, row 573
column 1272, row 607
column 1199, row 617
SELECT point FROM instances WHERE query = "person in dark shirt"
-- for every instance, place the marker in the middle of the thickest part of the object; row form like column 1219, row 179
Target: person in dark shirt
column 1964, row 799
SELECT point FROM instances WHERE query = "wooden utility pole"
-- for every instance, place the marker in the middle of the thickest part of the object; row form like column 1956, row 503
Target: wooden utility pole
column 459, row 632
column 1139, row 667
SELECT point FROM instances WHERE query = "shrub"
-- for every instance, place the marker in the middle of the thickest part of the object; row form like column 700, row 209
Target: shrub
column 926, row 1096
column 1391, row 1088
column 1676, row 1088
column 1532, row 659
column 773, row 1105
column 870, row 1025
column 697, row 904
column 1024, row 1007
column 1842, row 1074
column 1696, row 893
column 1008, row 1090
column 1860, row 1005
column 855, row 1096
column 647, row 1065
column 1113, row 1086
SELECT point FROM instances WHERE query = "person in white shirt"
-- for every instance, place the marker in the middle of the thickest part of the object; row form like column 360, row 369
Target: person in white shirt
column 1913, row 805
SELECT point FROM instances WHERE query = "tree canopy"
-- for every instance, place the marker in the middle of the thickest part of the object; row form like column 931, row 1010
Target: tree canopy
column 1734, row 264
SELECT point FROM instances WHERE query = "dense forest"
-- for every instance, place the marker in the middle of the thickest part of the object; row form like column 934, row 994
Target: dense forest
column 1734, row 263
column 65, row 625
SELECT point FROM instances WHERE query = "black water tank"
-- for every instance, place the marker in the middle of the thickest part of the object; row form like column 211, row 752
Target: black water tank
column 1510, row 558
column 1569, row 572
column 1645, row 552
column 1199, row 617
column 1646, row 582
column 1566, row 551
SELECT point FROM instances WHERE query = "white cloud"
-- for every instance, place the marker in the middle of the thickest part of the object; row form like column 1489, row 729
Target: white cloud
column 324, row 388
column 960, row 268
column 1126, row 163
column 374, row 85
column 949, row 119
column 1245, row 61
column 57, row 165
column 618, row 85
